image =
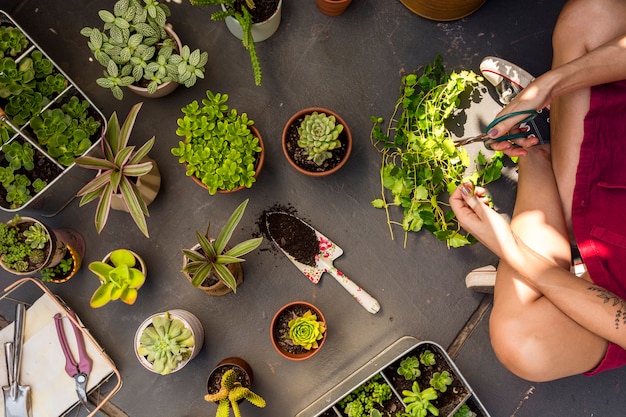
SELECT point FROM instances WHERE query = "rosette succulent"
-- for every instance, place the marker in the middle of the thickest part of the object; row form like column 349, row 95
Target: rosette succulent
column 230, row 394
column 305, row 331
column 319, row 135
column 119, row 281
column 409, row 368
column 166, row 343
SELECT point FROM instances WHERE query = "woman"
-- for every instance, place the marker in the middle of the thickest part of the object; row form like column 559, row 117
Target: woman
column 546, row 322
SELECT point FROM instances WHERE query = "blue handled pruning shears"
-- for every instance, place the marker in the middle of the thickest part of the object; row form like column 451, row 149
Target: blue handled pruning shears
column 488, row 141
column 79, row 371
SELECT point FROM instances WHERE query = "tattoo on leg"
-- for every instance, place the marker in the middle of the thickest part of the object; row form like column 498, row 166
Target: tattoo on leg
column 609, row 297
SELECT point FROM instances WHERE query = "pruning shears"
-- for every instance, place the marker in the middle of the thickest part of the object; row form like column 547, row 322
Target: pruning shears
column 488, row 141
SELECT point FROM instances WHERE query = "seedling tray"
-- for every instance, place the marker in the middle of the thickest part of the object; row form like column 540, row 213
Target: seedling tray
column 384, row 365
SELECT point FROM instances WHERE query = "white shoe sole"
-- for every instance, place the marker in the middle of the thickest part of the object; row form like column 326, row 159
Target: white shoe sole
column 496, row 69
column 482, row 279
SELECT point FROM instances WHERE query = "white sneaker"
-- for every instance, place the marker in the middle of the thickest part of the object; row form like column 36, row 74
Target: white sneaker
column 482, row 279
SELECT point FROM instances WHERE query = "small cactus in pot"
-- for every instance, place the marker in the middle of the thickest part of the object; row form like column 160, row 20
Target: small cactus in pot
column 319, row 134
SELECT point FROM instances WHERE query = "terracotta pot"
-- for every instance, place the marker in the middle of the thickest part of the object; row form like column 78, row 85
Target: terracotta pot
column 259, row 165
column 148, row 185
column 219, row 288
column 165, row 88
column 309, row 353
column 49, row 250
column 332, row 7
column 443, row 10
column 190, row 321
column 260, row 31
column 239, row 365
column 346, row 132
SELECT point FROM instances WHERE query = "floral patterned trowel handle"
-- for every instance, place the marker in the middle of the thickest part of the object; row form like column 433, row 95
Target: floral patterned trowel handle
column 328, row 252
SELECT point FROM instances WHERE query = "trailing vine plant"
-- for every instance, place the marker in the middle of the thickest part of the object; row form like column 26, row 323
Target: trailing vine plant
column 420, row 164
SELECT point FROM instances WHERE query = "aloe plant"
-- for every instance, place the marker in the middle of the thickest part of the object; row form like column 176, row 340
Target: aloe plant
column 230, row 394
column 119, row 281
column 117, row 172
column 215, row 257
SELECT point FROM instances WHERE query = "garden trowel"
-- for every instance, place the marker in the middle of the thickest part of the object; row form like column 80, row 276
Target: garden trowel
column 17, row 402
column 328, row 252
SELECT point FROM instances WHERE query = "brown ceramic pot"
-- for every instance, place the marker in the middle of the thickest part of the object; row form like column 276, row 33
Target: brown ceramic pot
column 332, row 7
column 443, row 10
column 218, row 288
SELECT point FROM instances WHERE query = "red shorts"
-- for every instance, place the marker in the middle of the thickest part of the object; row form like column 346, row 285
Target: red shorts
column 599, row 200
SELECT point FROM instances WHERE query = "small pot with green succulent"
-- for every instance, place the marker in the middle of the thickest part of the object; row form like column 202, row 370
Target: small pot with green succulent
column 298, row 330
column 222, row 151
column 26, row 245
column 211, row 264
column 137, row 48
column 165, row 342
column 121, row 273
column 316, row 141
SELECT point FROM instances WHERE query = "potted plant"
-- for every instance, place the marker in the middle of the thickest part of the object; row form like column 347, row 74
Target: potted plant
column 249, row 20
column 332, row 7
column 443, row 10
column 121, row 273
column 316, row 141
column 410, row 377
column 222, row 150
column 26, row 245
column 213, row 266
column 138, row 48
column 46, row 121
column 166, row 342
column 124, row 174
column 228, row 384
column 298, row 330
column 68, row 257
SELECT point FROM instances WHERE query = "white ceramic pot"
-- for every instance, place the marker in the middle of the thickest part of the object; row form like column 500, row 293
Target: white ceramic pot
column 260, row 31
column 190, row 322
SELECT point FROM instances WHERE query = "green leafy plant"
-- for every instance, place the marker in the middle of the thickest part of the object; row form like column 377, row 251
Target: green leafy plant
column 20, row 155
column 118, row 171
column 230, row 394
column 22, row 250
column 464, row 411
column 132, row 40
column 166, row 343
column 62, row 269
column 375, row 413
column 241, row 11
column 441, row 380
column 213, row 257
column 418, row 402
column 36, row 236
column 420, row 163
column 119, row 279
column 12, row 41
column 427, row 358
column 363, row 400
column 409, row 368
column 306, row 330
column 219, row 148
column 319, row 135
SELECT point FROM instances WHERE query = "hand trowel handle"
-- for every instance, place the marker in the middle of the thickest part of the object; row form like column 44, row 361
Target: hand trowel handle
column 360, row 295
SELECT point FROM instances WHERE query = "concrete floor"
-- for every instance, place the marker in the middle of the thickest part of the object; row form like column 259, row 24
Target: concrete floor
column 351, row 64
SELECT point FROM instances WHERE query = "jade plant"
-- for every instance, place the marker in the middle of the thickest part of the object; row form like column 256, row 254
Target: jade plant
column 119, row 279
column 213, row 256
column 166, row 343
column 420, row 164
column 441, row 380
column 418, row 402
column 118, row 172
column 242, row 12
column 306, row 330
column 219, row 148
column 231, row 393
column 409, row 368
column 134, row 48
column 363, row 400
column 22, row 250
column 319, row 134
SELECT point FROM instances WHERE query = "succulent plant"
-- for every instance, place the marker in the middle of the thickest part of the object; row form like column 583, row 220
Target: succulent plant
column 427, row 358
column 230, row 394
column 36, row 236
column 166, row 343
column 418, row 402
column 305, row 330
column 409, row 368
column 120, row 281
column 214, row 257
column 441, row 380
column 319, row 135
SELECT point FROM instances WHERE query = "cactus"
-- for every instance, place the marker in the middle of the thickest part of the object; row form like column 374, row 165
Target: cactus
column 229, row 395
column 166, row 343
column 305, row 331
column 319, row 135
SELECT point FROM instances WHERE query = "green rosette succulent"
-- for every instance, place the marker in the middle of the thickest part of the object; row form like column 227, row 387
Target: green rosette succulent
column 305, row 331
column 319, row 135
column 119, row 281
column 166, row 343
